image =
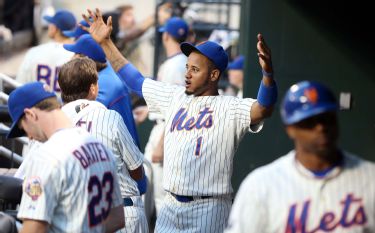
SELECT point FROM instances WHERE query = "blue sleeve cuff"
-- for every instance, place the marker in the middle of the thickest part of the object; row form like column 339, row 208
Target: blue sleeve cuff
column 267, row 95
column 142, row 184
column 132, row 77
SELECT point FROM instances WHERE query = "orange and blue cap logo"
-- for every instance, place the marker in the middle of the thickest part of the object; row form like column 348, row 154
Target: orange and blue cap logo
column 311, row 95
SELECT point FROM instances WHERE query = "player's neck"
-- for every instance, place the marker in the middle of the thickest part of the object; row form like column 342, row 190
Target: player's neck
column 54, row 121
column 172, row 49
column 62, row 39
column 316, row 162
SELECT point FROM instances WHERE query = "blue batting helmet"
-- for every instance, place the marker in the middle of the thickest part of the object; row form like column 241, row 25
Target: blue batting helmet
column 306, row 99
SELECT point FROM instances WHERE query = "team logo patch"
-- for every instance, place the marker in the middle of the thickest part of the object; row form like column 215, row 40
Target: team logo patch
column 78, row 108
column 33, row 187
column 312, row 95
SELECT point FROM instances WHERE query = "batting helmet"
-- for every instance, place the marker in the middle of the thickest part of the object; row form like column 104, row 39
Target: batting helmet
column 306, row 99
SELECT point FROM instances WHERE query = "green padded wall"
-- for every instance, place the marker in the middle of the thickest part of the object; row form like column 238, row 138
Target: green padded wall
column 310, row 40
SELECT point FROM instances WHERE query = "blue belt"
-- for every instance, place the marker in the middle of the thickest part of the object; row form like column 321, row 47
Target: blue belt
column 128, row 201
column 188, row 198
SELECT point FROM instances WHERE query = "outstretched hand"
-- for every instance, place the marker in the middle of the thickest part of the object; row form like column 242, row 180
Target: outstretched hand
column 98, row 29
column 264, row 54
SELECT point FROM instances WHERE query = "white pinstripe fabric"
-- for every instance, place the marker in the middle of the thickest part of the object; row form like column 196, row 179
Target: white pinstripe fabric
column 64, row 199
column 275, row 196
column 210, row 172
column 109, row 128
column 201, row 137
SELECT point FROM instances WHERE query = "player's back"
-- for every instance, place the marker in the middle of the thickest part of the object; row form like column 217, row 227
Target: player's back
column 42, row 63
column 71, row 183
column 114, row 94
column 107, row 126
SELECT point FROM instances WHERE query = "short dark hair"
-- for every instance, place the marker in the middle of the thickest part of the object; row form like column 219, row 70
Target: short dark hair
column 179, row 40
column 99, row 65
column 124, row 8
column 76, row 77
column 48, row 104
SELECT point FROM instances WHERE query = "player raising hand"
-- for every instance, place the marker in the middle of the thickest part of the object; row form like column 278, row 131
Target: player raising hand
column 202, row 129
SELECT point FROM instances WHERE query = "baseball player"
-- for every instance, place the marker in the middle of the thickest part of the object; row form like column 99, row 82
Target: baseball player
column 78, row 80
column 202, row 129
column 71, row 184
column 112, row 92
column 41, row 63
column 171, row 71
column 316, row 187
column 235, row 74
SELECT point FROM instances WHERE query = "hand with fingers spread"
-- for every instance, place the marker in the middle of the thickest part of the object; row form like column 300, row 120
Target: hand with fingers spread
column 98, row 29
column 264, row 54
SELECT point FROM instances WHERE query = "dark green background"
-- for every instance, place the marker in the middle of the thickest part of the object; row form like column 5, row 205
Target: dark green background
column 326, row 41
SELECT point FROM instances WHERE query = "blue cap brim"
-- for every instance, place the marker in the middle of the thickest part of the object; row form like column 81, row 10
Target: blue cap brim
column 48, row 18
column 162, row 29
column 302, row 115
column 72, row 33
column 15, row 131
column 71, row 48
column 187, row 48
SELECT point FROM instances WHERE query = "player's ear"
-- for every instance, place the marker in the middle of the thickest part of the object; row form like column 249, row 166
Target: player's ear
column 290, row 131
column 52, row 29
column 93, row 92
column 29, row 114
column 215, row 74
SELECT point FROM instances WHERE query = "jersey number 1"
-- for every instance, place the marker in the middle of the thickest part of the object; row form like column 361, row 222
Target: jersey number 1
column 107, row 181
column 198, row 146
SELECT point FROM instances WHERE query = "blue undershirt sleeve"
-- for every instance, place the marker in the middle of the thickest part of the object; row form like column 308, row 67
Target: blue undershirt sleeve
column 132, row 77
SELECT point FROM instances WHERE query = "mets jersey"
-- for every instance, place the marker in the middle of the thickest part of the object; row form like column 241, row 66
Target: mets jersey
column 71, row 183
column 42, row 63
column 108, row 127
column 286, row 197
column 201, row 137
column 171, row 71
column 114, row 94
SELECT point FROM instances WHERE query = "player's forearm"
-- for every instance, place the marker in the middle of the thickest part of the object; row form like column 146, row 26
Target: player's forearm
column 115, row 220
column 34, row 226
column 114, row 56
column 137, row 173
column 139, row 30
column 266, row 99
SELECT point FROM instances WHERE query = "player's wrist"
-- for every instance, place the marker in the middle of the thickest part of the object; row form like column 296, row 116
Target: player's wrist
column 268, row 74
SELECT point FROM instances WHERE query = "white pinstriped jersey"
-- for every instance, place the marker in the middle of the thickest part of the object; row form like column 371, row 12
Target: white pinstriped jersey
column 71, row 183
column 42, row 63
column 286, row 197
column 201, row 137
column 171, row 71
column 108, row 127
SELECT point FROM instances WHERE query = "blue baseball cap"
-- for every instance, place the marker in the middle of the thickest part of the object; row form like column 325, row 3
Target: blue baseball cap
column 23, row 97
column 177, row 27
column 306, row 99
column 87, row 46
column 237, row 64
column 209, row 49
column 63, row 19
column 77, row 31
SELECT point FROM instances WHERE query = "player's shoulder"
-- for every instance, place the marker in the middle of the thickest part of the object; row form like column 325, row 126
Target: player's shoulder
column 178, row 60
column 48, row 50
column 155, row 86
column 278, row 168
column 355, row 161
